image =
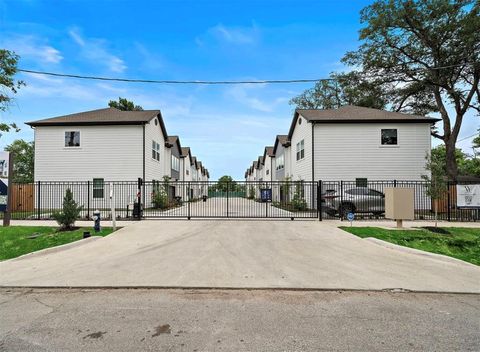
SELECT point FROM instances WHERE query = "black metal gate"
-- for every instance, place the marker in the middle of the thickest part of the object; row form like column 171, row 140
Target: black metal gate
column 235, row 199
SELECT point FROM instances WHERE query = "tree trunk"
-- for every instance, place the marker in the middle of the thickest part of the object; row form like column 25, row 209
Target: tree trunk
column 451, row 161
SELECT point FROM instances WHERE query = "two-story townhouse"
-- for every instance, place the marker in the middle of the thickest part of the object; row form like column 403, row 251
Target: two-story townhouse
column 281, row 155
column 267, row 164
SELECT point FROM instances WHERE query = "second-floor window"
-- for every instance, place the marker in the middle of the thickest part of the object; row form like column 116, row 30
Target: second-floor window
column 175, row 163
column 300, row 150
column 280, row 162
column 155, row 151
column 72, row 138
column 188, row 172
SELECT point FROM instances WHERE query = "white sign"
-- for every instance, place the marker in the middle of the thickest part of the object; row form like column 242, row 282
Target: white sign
column 4, row 164
column 468, row 195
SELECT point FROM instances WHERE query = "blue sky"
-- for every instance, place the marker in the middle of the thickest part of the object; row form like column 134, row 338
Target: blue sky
column 226, row 126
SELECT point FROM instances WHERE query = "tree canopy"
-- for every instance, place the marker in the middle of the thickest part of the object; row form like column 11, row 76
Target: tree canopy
column 8, row 84
column 124, row 105
column 24, row 155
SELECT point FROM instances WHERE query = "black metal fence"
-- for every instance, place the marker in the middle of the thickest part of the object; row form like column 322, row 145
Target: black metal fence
column 255, row 199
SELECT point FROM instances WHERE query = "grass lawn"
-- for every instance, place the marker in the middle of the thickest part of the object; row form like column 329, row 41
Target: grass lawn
column 14, row 240
column 457, row 242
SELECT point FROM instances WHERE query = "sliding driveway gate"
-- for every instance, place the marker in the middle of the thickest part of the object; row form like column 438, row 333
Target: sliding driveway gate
column 199, row 199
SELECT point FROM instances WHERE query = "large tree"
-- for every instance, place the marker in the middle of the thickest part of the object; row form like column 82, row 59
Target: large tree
column 8, row 84
column 24, row 154
column 427, row 55
column 340, row 89
column 124, row 105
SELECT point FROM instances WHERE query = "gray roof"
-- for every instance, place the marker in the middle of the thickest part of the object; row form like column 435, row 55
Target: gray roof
column 358, row 113
column 107, row 116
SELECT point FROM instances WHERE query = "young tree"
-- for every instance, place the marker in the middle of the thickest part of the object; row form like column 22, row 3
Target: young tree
column 124, row 105
column 70, row 212
column 437, row 185
column 23, row 163
column 428, row 53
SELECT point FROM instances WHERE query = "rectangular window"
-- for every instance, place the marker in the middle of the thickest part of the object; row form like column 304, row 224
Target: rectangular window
column 280, row 162
column 98, row 185
column 268, row 171
column 155, row 151
column 188, row 172
column 175, row 163
column 72, row 138
column 389, row 136
column 300, row 150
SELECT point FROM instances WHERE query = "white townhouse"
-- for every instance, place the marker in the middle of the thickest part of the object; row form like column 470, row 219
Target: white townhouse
column 355, row 142
column 281, row 156
column 105, row 144
column 268, row 164
column 186, row 164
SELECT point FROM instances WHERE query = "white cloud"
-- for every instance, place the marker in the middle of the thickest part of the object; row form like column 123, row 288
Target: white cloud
column 248, row 95
column 32, row 47
column 231, row 35
column 95, row 49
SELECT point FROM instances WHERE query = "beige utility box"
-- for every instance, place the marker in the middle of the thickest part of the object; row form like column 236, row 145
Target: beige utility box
column 399, row 204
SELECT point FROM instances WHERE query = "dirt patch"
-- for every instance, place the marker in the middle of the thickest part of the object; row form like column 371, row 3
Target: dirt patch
column 162, row 329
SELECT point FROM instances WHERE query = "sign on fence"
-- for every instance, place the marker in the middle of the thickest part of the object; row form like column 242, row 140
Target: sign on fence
column 468, row 196
column 3, row 194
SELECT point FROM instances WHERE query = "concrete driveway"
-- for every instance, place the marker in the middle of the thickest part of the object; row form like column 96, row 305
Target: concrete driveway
column 241, row 254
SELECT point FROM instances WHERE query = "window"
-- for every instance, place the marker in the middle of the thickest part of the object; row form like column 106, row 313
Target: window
column 98, row 185
column 155, row 151
column 72, row 139
column 300, row 150
column 389, row 136
column 268, row 172
column 175, row 163
column 280, row 161
column 188, row 172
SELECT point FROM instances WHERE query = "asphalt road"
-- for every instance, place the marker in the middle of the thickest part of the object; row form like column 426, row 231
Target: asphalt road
column 236, row 320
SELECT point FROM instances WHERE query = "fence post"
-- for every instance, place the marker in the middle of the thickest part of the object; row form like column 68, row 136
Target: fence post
column 319, row 200
column 38, row 200
column 394, row 183
column 189, row 201
column 448, row 201
column 227, row 198
column 88, row 199
column 341, row 200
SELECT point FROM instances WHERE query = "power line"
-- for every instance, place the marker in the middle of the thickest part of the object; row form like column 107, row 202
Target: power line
column 131, row 80
column 465, row 138
column 224, row 82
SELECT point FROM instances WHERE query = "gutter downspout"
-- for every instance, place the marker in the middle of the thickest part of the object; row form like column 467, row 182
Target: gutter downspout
column 143, row 183
column 313, row 151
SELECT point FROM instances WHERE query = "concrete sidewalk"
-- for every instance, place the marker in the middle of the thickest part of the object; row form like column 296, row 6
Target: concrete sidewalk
column 240, row 254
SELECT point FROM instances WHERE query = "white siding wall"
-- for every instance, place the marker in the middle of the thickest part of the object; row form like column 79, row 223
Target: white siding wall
column 267, row 169
column 300, row 169
column 154, row 170
column 347, row 151
column 113, row 153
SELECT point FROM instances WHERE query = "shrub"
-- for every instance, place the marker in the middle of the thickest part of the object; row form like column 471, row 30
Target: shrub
column 159, row 196
column 70, row 212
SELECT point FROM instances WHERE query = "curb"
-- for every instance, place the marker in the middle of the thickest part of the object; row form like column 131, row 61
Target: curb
column 55, row 249
column 419, row 252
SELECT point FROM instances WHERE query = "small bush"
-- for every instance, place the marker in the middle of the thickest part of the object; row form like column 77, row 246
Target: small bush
column 70, row 212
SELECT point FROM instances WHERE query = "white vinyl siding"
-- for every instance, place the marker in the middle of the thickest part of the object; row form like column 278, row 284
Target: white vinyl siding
column 110, row 152
column 301, row 138
column 350, row 151
column 154, row 169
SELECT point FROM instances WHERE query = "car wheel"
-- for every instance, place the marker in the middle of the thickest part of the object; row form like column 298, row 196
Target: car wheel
column 345, row 209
